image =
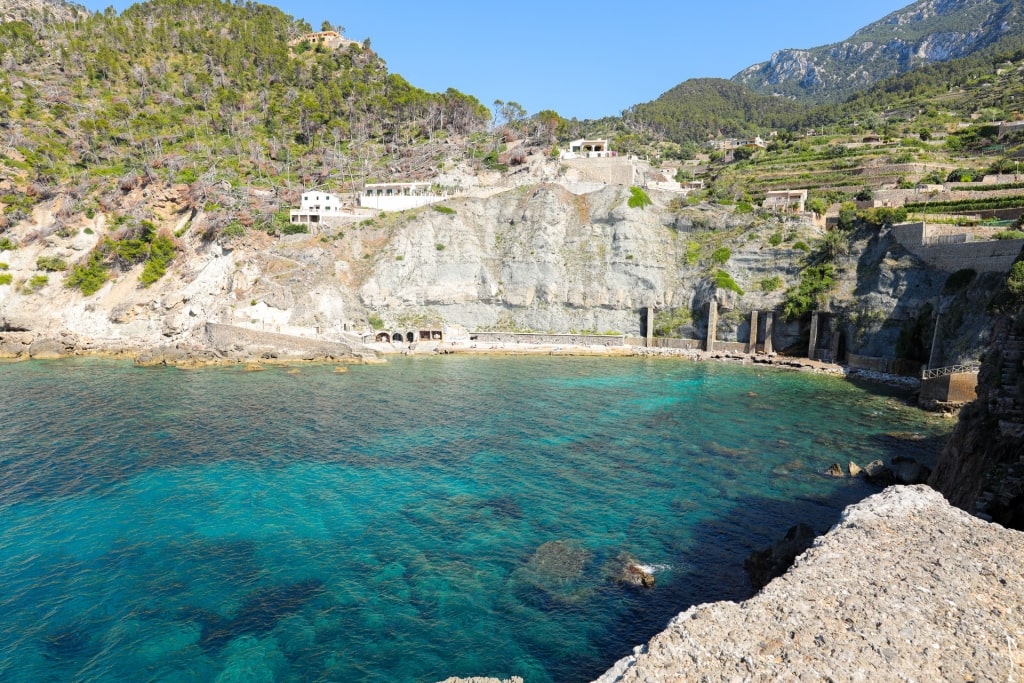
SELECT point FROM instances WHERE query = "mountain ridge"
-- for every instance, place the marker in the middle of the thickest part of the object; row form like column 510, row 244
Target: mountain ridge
column 923, row 32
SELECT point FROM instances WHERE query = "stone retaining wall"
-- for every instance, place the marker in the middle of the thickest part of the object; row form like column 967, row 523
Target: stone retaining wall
column 532, row 338
column 995, row 256
column 959, row 387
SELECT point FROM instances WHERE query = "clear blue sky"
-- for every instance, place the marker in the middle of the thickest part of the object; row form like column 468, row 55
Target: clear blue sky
column 582, row 59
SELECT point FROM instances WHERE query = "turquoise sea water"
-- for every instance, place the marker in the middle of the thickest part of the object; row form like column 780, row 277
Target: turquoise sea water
column 406, row 522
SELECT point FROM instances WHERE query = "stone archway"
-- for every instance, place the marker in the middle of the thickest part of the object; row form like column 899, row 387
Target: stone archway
column 397, row 337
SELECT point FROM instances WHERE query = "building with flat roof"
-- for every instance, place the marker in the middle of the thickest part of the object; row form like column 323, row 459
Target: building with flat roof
column 785, row 200
column 316, row 207
column 398, row 196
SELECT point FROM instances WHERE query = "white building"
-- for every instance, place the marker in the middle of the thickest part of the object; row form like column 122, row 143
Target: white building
column 398, row 196
column 587, row 149
column 316, row 207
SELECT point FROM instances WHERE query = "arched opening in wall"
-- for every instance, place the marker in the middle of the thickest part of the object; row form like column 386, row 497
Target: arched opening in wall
column 410, row 337
column 383, row 337
column 397, row 337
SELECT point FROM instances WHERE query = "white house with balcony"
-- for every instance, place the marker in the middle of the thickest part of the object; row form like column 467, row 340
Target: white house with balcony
column 588, row 149
column 316, row 207
column 399, row 196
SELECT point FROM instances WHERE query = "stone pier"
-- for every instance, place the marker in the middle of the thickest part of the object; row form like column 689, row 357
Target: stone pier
column 752, row 341
column 837, row 337
column 812, row 347
column 769, row 329
column 649, row 327
column 712, row 325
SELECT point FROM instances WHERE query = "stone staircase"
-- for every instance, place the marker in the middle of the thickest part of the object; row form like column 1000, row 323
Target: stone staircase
column 1005, row 401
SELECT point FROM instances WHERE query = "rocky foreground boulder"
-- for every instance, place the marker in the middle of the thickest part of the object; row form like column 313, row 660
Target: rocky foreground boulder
column 904, row 588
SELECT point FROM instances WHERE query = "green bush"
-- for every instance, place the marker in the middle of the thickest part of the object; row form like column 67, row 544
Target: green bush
column 235, row 229
column 88, row 277
column 375, row 321
column 5, row 278
column 294, row 229
column 801, row 246
column 6, row 244
column 668, row 322
column 776, row 239
column 161, row 253
column 52, row 264
column 36, row 282
column 770, row 284
column 692, row 253
column 441, row 208
column 1009, row 235
column 884, row 215
column 638, row 199
column 1015, row 280
column 4, row 266
column 721, row 255
column 439, row 246
column 724, row 281
column 815, row 281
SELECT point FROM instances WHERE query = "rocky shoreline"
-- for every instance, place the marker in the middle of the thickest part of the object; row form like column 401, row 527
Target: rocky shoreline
column 904, row 588
column 231, row 345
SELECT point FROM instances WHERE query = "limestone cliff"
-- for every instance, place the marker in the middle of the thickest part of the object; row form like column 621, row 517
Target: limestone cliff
column 537, row 257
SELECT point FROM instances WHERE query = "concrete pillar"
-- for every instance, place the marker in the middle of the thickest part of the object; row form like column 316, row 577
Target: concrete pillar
column 752, row 342
column 649, row 332
column 812, row 347
column 837, row 334
column 712, row 325
column 769, row 328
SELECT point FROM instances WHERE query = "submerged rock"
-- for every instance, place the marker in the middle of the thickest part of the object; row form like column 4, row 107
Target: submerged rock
column 628, row 571
column 554, row 575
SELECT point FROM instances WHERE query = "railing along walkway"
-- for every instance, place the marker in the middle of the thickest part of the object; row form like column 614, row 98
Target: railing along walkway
column 950, row 370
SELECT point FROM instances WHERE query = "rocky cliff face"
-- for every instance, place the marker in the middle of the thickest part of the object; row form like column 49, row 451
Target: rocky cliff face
column 923, row 32
column 37, row 13
column 982, row 467
column 536, row 258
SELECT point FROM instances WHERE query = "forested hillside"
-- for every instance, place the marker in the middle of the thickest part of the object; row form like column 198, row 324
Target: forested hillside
column 702, row 108
column 208, row 94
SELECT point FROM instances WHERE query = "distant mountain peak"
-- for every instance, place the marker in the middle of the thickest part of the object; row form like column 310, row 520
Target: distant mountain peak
column 925, row 31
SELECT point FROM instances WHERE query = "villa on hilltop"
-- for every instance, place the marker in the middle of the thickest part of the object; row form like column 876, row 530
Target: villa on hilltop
column 588, row 149
column 329, row 39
